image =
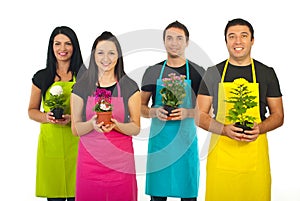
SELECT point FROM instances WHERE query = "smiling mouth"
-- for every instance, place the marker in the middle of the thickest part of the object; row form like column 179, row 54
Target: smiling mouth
column 238, row 48
column 62, row 53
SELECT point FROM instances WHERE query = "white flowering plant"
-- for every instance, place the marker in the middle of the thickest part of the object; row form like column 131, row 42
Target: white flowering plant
column 57, row 98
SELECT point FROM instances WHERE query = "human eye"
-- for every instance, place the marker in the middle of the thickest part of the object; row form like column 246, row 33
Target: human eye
column 169, row 38
column 69, row 43
column 56, row 43
column 100, row 52
column 231, row 36
column 244, row 36
column 180, row 38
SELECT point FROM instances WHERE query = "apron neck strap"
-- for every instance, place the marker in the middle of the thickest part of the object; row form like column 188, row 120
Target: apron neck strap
column 186, row 66
column 225, row 69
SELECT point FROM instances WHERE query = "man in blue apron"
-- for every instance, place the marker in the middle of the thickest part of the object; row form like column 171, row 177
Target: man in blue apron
column 172, row 161
column 238, row 165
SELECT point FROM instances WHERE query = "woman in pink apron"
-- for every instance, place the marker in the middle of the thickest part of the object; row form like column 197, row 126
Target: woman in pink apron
column 105, row 165
column 57, row 147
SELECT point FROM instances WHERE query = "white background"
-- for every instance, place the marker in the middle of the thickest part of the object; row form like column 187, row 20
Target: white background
column 25, row 30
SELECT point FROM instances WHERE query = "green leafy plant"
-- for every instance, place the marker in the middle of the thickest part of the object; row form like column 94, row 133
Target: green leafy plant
column 57, row 98
column 102, row 100
column 173, row 92
column 242, row 101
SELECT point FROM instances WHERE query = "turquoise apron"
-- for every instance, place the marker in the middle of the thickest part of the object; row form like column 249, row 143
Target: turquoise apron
column 172, row 162
column 57, row 154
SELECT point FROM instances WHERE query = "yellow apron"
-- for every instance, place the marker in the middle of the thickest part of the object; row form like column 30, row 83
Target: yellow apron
column 237, row 171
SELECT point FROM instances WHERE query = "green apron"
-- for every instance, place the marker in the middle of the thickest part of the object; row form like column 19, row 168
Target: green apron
column 172, row 162
column 57, row 153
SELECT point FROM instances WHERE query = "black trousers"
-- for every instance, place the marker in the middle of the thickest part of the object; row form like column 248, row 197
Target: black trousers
column 155, row 198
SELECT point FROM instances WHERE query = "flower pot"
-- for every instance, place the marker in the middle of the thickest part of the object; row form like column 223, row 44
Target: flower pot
column 169, row 109
column 57, row 113
column 104, row 117
column 237, row 124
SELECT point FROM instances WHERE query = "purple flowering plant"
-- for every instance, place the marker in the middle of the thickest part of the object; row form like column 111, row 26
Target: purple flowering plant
column 102, row 100
column 173, row 91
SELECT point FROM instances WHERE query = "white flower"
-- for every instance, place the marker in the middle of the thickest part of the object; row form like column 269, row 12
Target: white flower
column 56, row 90
column 104, row 107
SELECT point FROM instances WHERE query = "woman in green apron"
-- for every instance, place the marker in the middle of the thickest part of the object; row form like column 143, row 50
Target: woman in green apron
column 57, row 146
column 238, row 166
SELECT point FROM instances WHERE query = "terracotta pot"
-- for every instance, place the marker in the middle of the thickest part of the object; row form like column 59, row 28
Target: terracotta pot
column 104, row 116
column 57, row 113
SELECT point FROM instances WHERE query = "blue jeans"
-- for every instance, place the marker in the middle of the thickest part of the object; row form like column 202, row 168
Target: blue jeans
column 155, row 198
column 60, row 199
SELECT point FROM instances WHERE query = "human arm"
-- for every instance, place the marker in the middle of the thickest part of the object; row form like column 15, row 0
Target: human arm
column 205, row 121
column 79, row 127
column 274, row 120
column 182, row 113
column 148, row 112
column 133, row 127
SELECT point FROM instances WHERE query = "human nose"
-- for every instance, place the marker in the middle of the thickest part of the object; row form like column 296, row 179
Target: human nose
column 105, row 57
column 238, row 40
column 62, row 47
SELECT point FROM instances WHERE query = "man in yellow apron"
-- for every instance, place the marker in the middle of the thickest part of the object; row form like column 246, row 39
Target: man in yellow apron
column 238, row 167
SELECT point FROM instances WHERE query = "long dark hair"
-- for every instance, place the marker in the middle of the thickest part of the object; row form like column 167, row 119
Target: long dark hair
column 90, row 78
column 76, row 59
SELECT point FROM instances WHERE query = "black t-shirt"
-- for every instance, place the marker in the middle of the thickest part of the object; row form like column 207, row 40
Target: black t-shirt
column 128, row 88
column 265, row 77
column 152, row 73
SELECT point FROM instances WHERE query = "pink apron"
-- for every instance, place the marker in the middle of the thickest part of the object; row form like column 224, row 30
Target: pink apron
column 105, row 164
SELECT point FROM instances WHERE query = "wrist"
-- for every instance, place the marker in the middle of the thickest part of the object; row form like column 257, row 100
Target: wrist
column 152, row 112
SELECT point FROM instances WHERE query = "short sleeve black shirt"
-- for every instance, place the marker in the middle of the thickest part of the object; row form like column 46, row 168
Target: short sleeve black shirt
column 265, row 77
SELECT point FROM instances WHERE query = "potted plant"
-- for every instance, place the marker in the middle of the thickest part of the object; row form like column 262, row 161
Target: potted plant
column 103, row 106
column 242, row 100
column 56, row 101
column 173, row 92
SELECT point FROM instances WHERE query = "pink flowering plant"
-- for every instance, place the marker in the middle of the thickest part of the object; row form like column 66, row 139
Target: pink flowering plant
column 173, row 92
column 102, row 100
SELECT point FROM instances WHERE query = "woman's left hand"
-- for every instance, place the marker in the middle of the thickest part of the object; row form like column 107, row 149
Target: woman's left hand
column 105, row 128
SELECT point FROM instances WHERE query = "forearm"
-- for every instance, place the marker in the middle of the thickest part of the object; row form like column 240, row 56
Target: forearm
column 206, row 122
column 38, row 116
column 272, row 122
column 127, row 128
column 82, row 128
column 147, row 112
column 191, row 113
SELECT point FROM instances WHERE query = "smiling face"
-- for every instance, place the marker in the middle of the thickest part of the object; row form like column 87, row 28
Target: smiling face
column 106, row 56
column 239, row 44
column 62, row 48
column 175, row 42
